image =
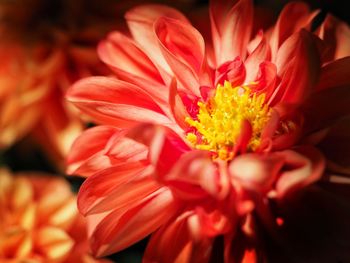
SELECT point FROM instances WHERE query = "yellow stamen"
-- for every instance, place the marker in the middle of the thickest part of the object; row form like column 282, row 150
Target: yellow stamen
column 219, row 120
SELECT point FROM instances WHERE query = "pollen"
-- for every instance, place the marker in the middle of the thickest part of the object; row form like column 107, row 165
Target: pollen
column 219, row 120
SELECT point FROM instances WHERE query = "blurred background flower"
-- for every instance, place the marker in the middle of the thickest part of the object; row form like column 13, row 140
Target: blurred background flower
column 39, row 220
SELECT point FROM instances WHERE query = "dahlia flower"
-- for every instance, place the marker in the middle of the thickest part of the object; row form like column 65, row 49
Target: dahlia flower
column 39, row 220
column 200, row 135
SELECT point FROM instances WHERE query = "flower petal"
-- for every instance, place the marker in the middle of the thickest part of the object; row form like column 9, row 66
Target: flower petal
column 261, row 53
column 326, row 107
column 194, row 176
column 184, row 50
column 299, row 13
column 335, row 73
column 337, row 36
column 87, row 145
column 120, row 229
column 115, row 102
column 100, row 185
column 306, row 165
column 125, row 57
column 140, row 21
column 255, row 171
column 298, row 65
column 231, row 23
column 183, row 248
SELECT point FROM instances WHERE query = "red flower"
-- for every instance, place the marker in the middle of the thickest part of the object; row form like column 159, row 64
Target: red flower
column 233, row 127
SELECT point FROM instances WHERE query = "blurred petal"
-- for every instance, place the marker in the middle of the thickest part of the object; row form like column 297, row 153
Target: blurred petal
column 334, row 74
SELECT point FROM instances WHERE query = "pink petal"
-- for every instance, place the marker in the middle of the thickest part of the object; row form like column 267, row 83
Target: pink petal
column 140, row 20
column 121, row 229
column 115, row 102
column 231, row 23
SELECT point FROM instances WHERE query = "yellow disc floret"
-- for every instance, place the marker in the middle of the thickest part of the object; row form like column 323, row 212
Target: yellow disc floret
column 219, row 120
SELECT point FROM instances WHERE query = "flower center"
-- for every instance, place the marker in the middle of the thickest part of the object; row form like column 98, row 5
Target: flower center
column 219, row 121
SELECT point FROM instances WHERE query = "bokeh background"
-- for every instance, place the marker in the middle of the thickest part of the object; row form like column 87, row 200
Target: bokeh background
column 36, row 19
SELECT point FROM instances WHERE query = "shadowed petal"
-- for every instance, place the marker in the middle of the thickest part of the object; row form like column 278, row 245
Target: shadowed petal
column 183, row 248
column 301, row 16
column 334, row 74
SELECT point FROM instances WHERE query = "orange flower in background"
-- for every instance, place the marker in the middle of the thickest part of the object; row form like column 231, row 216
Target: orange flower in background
column 199, row 138
column 39, row 220
column 38, row 66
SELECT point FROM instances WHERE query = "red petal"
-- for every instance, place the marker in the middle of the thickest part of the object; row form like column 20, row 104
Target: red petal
column 184, row 49
column 261, row 53
column 231, row 23
column 255, row 171
column 336, row 35
column 194, row 175
column 124, row 56
column 140, row 20
column 88, row 144
column 165, row 147
column 99, row 186
column 183, row 248
column 115, row 102
column 305, row 166
column 326, row 107
column 334, row 74
column 298, row 65
column 121, row 229
column 297, row 12
column 177, row 107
